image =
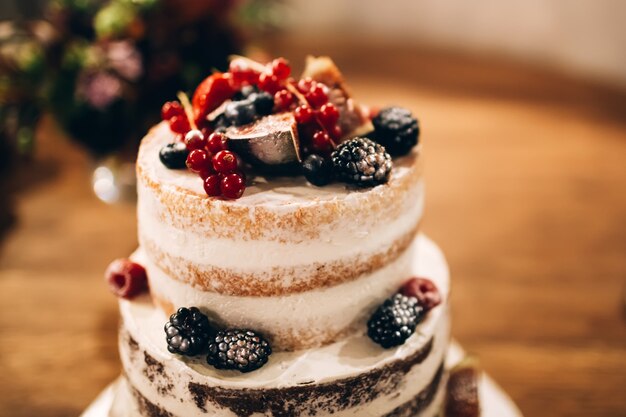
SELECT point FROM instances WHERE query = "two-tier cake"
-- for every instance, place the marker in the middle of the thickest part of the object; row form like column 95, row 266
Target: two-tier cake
column 281, row 271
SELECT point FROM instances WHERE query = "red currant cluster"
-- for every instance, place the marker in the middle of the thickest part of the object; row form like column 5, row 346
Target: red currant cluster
column 174, row 114
column 272, row 78
column 317, row 118
column 215, row 164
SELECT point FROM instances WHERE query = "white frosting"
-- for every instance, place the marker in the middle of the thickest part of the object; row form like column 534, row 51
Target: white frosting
column 252, row 255
column 316, row 315
column 350, row 357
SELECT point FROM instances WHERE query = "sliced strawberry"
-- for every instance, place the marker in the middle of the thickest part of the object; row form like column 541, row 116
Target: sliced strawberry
column 210, row 94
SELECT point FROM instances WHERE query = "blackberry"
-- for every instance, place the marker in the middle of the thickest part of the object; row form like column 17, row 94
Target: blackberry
column 396, row 129
column 240, row 113
column 187, row 332
column 174, row 155
column 395, row 320
column 238, row 349
column 317, row 170
column 362, row 162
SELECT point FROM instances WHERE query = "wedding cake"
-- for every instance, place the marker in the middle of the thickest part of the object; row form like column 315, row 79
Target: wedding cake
column 281, row 270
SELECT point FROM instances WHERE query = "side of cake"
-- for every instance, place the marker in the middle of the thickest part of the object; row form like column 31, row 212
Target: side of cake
column 280, row 248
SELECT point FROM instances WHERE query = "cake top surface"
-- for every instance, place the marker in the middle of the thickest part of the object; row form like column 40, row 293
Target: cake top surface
column 256, row 132
column 260, row 189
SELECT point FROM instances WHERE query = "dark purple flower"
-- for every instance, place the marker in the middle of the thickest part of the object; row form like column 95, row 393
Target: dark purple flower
column 99, row 89
column 125, row 59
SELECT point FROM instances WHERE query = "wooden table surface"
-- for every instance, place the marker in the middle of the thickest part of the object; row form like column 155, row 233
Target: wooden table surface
column 526, row 186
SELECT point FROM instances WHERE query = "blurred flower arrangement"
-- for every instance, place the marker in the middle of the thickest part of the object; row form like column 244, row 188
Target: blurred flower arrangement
column 103, row 68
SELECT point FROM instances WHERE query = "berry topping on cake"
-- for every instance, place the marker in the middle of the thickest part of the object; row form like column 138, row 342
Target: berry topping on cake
column 362, row 162
column 198, row 160
column 216, row 142
column 126, row 278
column 232, row 185
column 188, row 332
column 424, row 290
column 239, row 113
column 396, row 129
column 174, row 155
column 462, row 396
column 212, row 185
column 317, row 170
column 194, row 139
column 224, row 162
column 241, row 350
column 210, row 94
column 171, row 109
column 395, row 320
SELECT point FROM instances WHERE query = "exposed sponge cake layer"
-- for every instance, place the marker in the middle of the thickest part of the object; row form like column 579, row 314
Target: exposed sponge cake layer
column 282, row 237
column 350, row 377
column 304, row 319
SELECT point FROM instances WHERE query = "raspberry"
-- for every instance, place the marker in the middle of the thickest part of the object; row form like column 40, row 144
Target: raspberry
column 424, row 290
column 126, row 279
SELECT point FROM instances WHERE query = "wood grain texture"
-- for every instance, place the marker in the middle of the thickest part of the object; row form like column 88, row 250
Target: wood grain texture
column 526, row 186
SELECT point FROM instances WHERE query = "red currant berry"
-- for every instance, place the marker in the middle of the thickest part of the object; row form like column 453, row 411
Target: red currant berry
column 179, row 124
column 194, row 139
column 269, row 83
column 212, row 185
column 232, row 185
column 171, row 109
column 303, row 114
column 198, row 160
column 305, row 85
column 126, row 279
column 335, row 132
column 242, row 73
column 317, row 96
column 424, row 290
column 217, row 142
column 224, row 161
column 281, row 68
column 321, row 141
column 205, row 173
column 283, row 100
column 328, row 114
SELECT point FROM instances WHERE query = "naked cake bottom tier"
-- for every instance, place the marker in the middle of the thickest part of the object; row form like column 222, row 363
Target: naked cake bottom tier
column 351, row 377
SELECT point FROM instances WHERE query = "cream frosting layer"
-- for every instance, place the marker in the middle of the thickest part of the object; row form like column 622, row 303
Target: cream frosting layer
column 341, row 361
column 309, row 318
column 280, row 233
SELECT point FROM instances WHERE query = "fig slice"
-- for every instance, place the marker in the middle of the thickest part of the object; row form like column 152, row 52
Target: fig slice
column 462, row 390
column 353, row 118
column 269, row 144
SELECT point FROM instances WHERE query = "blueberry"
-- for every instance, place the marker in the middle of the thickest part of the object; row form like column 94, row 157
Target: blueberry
column 240, row 112
column 263, row 103
column 174, row 155
column 317, row 170
column 245, row 92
